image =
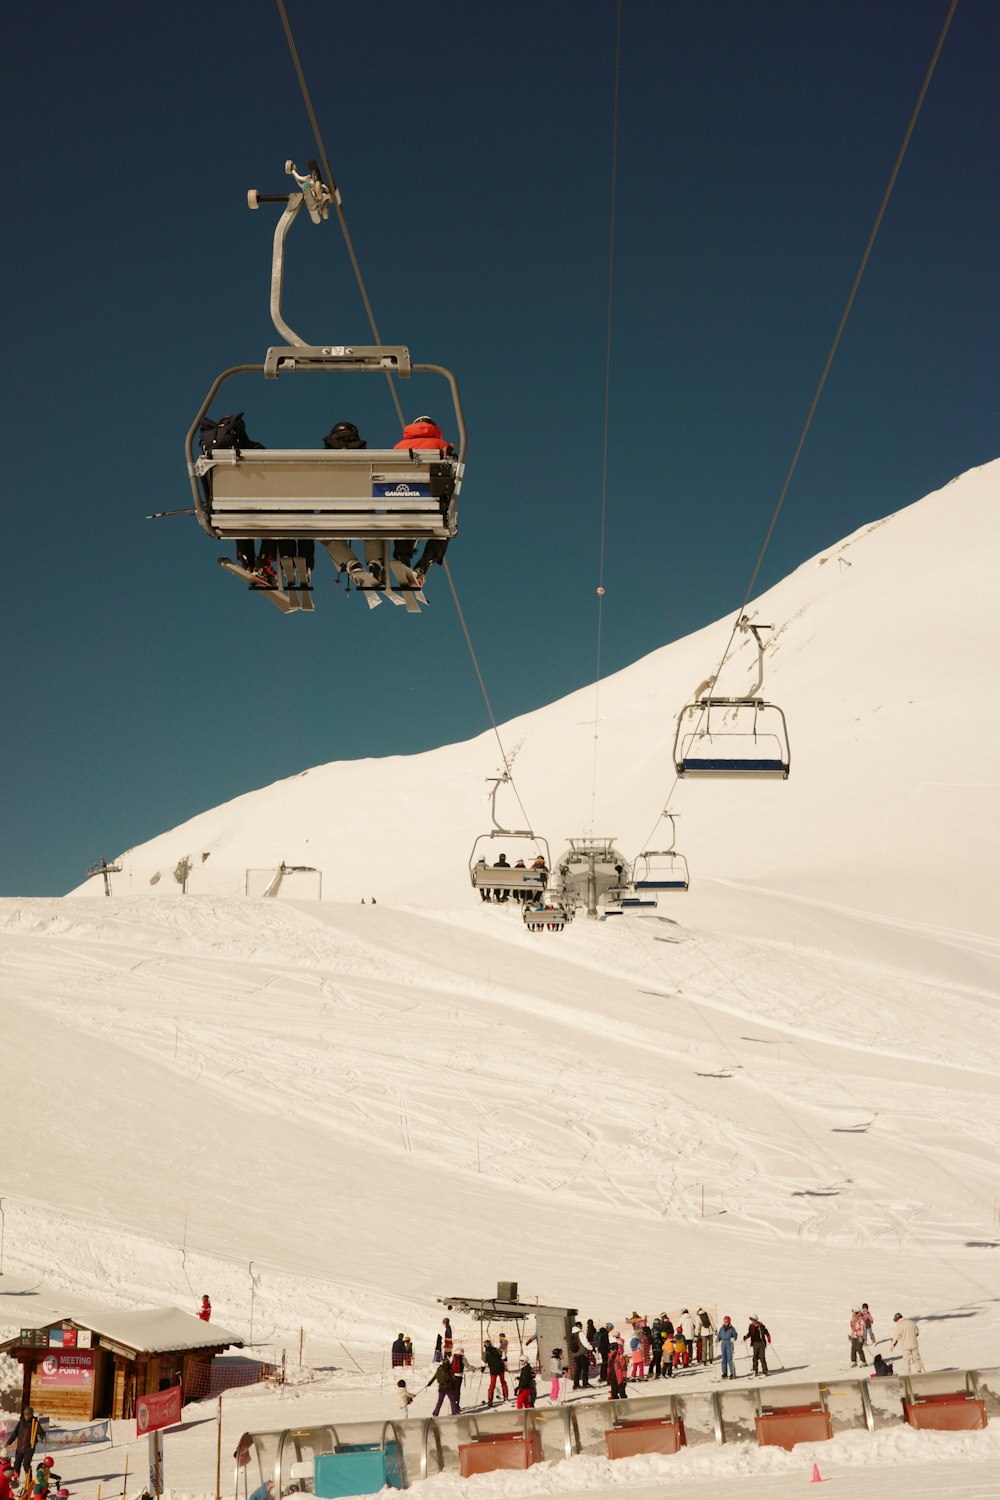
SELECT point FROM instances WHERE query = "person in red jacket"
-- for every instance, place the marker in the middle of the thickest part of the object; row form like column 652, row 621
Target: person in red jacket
column 425, row 435
column 205, row 1310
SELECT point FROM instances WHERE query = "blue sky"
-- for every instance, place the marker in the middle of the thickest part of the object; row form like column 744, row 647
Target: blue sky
column 473, row 150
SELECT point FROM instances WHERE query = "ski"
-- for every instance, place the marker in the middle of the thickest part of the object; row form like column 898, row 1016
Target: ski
column 305, row 584
column 270, row 591
column 409, row 586
column 286, row 563
column 363, row 581
column 379, row 580
column 295, row 576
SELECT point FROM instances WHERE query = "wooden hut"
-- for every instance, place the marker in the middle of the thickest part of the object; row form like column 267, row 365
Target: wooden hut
column 82, row 1368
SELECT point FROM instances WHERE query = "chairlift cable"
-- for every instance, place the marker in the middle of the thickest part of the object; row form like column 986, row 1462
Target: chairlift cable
column 840, row 327
column 482, row 688
column 607, row 402
column 829, row 360
column 329, row 180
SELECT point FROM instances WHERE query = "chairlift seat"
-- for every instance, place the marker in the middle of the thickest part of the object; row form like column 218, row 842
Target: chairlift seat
column 661, row 885
column 507, row 879
column 331, row 493
column 721, row 767
column 748, row 725
column 552, row 920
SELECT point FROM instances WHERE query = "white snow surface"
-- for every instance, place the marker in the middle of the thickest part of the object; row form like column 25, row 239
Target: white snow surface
column 777, row 1095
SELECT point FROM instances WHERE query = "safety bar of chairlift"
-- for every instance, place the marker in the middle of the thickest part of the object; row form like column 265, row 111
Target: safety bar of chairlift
column 742, row 764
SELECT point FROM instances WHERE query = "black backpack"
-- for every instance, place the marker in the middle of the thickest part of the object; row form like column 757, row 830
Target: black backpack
column 230, row 432
column 706, row 1321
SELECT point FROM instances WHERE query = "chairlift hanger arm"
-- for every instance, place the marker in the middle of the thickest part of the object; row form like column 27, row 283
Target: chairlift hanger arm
column 755, row 630
column 393, row 359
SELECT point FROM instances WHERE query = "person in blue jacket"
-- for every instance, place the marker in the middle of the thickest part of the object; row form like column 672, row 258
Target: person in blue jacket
column 726, row 1337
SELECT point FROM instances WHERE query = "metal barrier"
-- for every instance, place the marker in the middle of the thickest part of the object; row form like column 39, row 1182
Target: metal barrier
column 286, row 1459
column 962, row 1399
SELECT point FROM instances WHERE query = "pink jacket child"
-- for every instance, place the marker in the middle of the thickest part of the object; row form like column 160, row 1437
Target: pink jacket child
column 858, row 1337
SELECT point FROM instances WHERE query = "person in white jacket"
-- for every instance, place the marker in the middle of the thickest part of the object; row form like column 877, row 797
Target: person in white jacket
column 907, row 1341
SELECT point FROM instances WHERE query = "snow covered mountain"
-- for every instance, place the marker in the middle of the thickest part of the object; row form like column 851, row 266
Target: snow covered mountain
column 778, row 1093
column 882, row 655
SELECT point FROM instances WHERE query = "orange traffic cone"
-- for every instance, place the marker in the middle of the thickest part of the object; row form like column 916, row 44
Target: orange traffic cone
column 817, row 1476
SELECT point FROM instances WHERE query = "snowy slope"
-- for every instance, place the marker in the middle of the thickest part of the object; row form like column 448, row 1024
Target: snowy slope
column 779, row 1094
column 388, row 1100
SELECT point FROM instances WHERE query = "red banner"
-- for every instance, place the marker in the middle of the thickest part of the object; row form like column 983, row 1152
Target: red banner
column 161, row 1410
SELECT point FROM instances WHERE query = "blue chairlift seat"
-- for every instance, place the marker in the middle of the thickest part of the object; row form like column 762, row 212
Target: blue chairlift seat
column 737, row 738
column 661, row 869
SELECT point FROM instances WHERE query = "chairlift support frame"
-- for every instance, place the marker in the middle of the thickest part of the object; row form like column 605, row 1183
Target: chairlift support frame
column 739, row 768
column 589, row 852
column 366, row 494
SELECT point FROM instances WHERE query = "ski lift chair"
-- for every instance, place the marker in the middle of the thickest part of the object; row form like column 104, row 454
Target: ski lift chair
column 739, row 738
column 373, row 494
column 662, row 869
column 620, row 901
column 487, row 876
column 546, row 919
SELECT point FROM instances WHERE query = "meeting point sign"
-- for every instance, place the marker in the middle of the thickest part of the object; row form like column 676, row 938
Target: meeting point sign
column 160, row 1410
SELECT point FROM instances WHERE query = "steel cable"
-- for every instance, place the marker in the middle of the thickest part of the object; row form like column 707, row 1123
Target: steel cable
column 829, row 361
column 329, row 180
column 607, row 405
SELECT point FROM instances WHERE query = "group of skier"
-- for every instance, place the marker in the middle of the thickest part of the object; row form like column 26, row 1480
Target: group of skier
column 422, row 435
column 649, row 1350
column 538, row 867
